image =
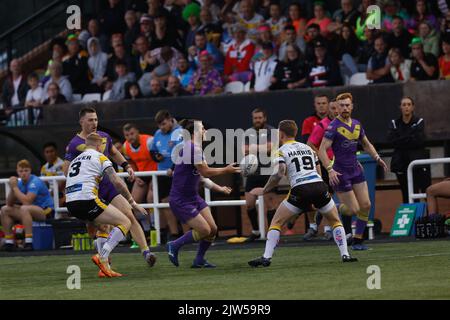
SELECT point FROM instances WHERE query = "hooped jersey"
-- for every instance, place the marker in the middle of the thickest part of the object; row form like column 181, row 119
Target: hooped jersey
column 84, row 175
column 301, row 162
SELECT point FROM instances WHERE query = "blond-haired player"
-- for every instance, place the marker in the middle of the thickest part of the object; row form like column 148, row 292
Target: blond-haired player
column 84, row 175
column 301, row 165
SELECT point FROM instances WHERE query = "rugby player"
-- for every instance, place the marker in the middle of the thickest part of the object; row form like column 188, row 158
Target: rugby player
column 185, row 201
column 346, row 174
column 85, row 173
column 107, row 192
column 301, row 164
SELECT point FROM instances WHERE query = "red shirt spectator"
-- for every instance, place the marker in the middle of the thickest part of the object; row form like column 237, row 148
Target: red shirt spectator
column 239, row 54
column 321, row 111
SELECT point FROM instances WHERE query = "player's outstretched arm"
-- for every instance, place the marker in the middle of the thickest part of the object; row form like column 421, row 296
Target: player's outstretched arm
column 370, row 149
column 122, row 188
column 214, row 186
column 209, row 172
column 120, row 160
column 323, row 157
column 275, row 178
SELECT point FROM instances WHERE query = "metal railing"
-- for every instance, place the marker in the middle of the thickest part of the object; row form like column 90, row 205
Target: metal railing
column 412, row 196
column 156, row 205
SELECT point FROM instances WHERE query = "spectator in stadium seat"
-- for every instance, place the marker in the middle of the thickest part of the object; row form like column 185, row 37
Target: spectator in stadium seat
column 400, row 67
column 290, row 37
column 191, row 14
column 53, row 168
column 34, row 94
column 378, row 67
column 157, row 90
column 421, row 14
column 184, row 71
column 320, row 18
column 58, row 52
column 206, row 80
column 324, row 69
column 264, row 69
column 35, row 204
column 407, row 134
column 391, row 9
column 435, row 191
column 248, row 19
column 312, row 35
column 264, row 35
column 291, row 72
column 76, row 66
column 168, row 56
column 64, row 85
column 239, row 54
column 164, row 34
column 141, row 63
column 444, row 60
column 445, row 24
column 424, row 66
column 346, row 14
column 347, row 52
column 123, row 76
column 174, row 87
column 112, row 18
column 200, row 44
column 133, row 91
column 15, row 87
column 146, row 27
column 430, row 38
column 132, row 31
column 53, row 94
column 93, row 30
column 119, row 54
column 360, row 25
column 213, row 9
column 399, row 37
column 367, row 47
column 276, row 21
column 161, row 70
column 295, row 19
column 97, row 62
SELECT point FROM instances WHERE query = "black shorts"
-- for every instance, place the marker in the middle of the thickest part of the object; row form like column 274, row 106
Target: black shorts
column 86, row 210
column 302, row 198
column 256, row 181
column 164, row 185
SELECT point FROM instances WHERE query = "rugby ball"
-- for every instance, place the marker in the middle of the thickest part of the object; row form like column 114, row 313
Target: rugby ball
column 249, row 165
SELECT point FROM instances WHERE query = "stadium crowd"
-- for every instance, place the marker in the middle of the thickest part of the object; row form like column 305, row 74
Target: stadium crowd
column 154, row 48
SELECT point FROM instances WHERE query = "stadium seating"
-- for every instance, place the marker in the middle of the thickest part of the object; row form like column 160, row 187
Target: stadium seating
column 359, row 79
column 91, row 97
column 234, row 87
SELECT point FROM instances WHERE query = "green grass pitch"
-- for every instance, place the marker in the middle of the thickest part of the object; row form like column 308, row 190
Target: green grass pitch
column 410, row 270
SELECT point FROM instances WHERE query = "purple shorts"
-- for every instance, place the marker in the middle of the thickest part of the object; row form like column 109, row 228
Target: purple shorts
column 349, row 176
column 185, row 208
column 107, row 191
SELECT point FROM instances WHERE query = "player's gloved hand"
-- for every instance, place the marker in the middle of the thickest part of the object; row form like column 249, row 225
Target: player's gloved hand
column 334, row 177
column 257, row 192
column 233, row 168
column 225, row 189
column 138, row 208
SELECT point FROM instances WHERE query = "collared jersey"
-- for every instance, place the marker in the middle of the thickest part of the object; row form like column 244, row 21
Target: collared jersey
column 38, row 187
column 84, row 175
column 301, row 162
column 52, row 169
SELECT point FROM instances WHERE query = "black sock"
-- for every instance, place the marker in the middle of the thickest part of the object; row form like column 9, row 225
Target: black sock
column 357, row 241
column 347, row 222
column 270, row 215
column 253, row 216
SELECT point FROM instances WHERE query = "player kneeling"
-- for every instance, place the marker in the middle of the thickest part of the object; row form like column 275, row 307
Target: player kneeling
column 300, row 163
column 85, row 174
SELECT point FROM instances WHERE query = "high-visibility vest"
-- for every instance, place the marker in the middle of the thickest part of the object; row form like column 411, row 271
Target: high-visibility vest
column 142, row 157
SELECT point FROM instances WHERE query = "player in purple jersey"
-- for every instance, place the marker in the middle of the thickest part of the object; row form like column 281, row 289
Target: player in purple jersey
column 185, row 202
column 107, row 192
column 346, row 173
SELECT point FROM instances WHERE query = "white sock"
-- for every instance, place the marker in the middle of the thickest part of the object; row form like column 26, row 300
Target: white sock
column 326, row 228
column 98, row 243
column 115, row 236
column 341, row 240
column 273, row 236
column 313, row 226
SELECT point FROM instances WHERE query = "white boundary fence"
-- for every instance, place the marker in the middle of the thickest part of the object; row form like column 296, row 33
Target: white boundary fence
column 411, row 194
column 156, row 205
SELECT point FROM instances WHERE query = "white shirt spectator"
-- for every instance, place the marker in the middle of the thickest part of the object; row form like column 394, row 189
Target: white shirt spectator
column 276, row 26
column 65, row 88
column 263, row 71
column 34, row 95
column 251, row 25
column 404, row 68
column 15, row 98
column 97, row 61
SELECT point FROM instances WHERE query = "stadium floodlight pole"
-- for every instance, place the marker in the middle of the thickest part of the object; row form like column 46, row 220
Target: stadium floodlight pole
column 410, row 176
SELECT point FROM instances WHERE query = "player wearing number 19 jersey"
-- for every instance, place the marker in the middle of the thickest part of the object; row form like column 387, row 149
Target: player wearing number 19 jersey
column 301, row 165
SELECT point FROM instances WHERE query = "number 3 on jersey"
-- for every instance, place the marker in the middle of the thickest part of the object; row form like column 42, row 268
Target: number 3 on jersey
column 307, row 161
column 75, row 169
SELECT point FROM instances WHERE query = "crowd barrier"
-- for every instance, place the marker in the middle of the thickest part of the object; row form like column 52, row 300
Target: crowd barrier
column 156, row 205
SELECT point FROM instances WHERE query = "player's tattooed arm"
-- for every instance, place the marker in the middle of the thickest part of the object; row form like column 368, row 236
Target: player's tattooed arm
column 122, row 188
column 275, row 178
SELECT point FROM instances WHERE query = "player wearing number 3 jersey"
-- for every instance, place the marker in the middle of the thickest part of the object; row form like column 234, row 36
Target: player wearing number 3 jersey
column 301, row 165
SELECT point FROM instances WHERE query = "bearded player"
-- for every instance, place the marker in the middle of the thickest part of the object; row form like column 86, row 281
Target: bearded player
column 186, row 203
column 346, row 174
column 107, row 192
column 308, row 191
